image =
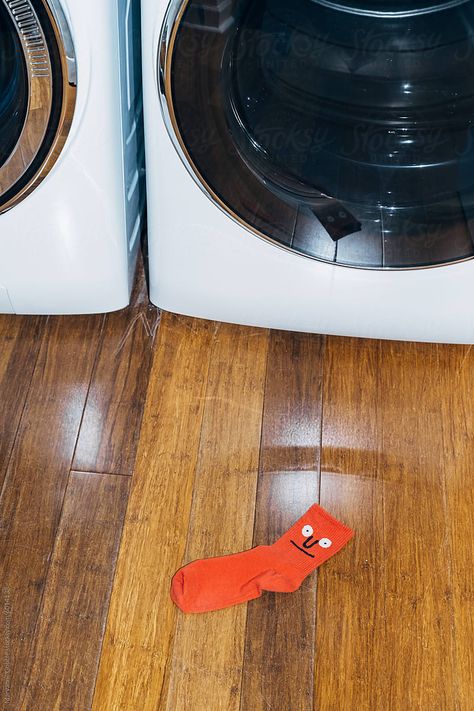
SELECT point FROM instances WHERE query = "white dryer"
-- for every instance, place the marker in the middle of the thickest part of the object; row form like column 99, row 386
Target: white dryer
column 71, row 154
column 310, row 164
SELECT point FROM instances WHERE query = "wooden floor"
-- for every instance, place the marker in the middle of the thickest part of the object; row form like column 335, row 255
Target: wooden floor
column 242, row 430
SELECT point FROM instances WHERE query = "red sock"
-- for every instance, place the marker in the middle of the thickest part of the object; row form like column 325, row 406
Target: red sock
column 215, row 583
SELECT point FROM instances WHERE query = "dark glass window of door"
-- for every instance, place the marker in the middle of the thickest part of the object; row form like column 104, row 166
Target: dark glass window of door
column 14, row 91
column 339, row 130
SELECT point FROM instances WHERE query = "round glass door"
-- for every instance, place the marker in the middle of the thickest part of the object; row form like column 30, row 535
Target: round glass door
column 37, row 93
column 343, row 131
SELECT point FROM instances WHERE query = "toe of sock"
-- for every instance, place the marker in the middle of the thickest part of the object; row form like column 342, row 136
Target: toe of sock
column 177, row 589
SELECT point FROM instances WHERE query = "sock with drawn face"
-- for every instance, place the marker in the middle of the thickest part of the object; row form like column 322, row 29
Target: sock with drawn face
column 216, row 583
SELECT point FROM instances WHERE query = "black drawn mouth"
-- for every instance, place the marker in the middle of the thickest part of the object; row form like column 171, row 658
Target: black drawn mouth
column 302, row 549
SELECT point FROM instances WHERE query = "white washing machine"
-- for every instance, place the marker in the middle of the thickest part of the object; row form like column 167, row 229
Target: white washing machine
column 310, row 164
column 71, row 154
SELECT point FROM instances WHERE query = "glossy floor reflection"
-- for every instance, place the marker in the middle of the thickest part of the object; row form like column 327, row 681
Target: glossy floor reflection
column 243, row 429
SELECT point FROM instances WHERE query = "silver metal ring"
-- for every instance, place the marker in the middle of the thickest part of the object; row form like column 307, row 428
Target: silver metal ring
column 447, row 5
column 41, row 96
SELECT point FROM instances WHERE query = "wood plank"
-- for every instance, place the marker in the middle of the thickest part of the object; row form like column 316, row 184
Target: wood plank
column 142, row 617
column 208, row 651
column 280, row 637
column 419, row 671
column 384, row 618
column 110, row 428
column 457, row 381
column 77, row 593
column 348, row 589
column 32, row 497
column 20, row 338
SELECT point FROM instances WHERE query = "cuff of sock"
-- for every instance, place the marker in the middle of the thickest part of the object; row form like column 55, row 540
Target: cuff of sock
column 325, row 526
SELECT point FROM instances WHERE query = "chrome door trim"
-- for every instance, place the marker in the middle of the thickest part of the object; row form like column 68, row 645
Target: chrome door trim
column 169, row 31
column 40, row 100
column 447, row 5
column 67, row 43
